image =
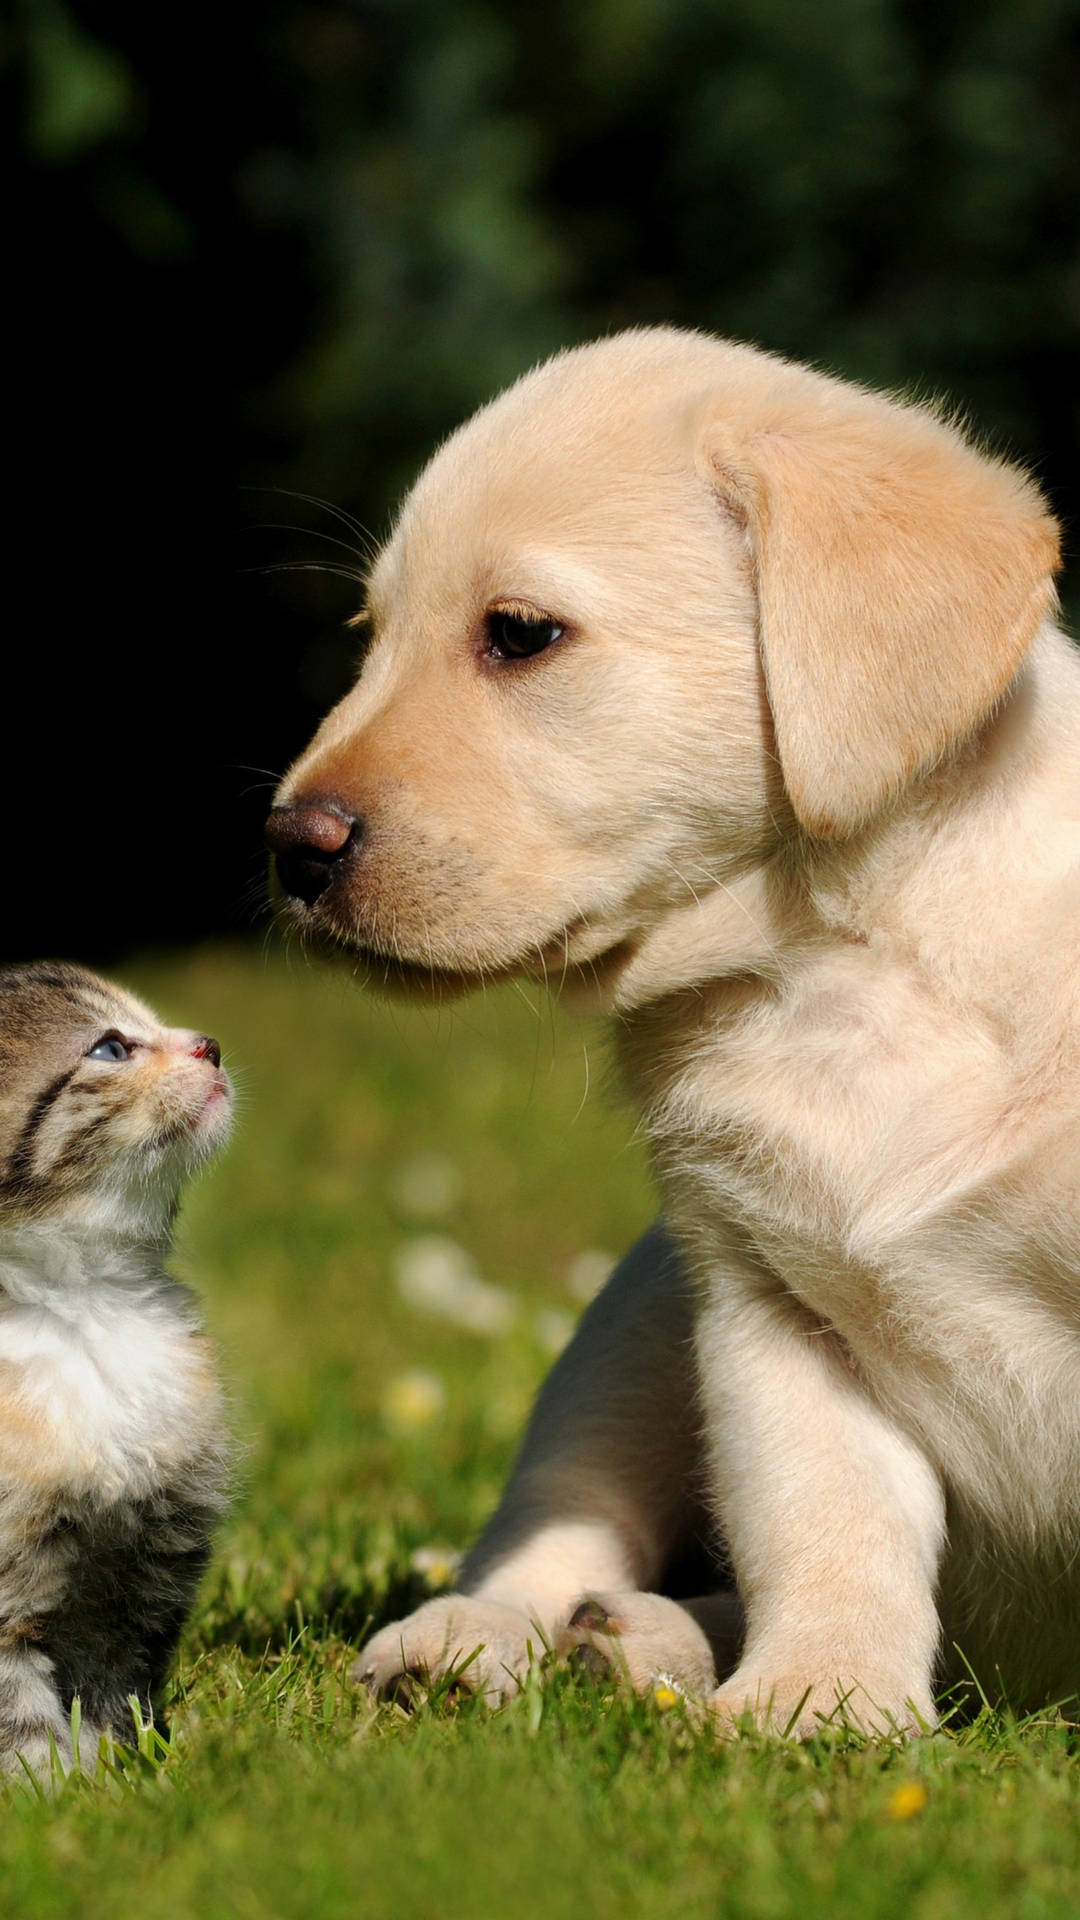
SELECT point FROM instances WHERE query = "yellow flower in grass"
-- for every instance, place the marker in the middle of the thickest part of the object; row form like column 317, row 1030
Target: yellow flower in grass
column 905, row 1801
column 413, row 1401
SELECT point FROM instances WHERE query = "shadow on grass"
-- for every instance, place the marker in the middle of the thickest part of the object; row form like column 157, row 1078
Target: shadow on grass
column 332, row 1612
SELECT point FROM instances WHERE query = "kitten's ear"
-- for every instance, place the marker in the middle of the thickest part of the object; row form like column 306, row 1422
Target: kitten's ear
column 901, row 577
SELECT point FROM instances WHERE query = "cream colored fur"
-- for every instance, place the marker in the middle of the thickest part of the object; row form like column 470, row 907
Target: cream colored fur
column 797, row 795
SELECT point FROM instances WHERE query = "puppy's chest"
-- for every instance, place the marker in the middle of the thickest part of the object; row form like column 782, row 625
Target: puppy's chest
column 828, row 1119
column 868, row 1160
column 105, row 1398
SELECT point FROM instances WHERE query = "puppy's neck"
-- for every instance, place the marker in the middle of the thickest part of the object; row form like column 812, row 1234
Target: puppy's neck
column 745, row 926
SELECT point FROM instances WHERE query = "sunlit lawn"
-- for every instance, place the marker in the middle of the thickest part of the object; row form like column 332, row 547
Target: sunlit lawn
column 399, row 1237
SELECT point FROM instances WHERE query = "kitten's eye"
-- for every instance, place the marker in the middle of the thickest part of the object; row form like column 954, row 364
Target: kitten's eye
column 516, row 636
column 110, row 1047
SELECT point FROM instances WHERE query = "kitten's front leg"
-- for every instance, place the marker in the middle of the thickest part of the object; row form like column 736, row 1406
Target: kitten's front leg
column 36, row 1717
column 35, row 1731
column 833, row 1517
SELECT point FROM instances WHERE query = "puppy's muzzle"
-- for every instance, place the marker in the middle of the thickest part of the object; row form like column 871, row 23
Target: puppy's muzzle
column 309, row 841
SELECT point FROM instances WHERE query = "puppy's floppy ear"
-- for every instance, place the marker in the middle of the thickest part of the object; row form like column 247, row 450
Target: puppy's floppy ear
column 901, row 577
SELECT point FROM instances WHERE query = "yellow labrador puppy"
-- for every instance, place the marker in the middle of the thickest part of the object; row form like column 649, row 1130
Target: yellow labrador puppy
column 727, row 696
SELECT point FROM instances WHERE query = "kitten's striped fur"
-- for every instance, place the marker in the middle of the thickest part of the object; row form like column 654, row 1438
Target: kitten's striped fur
column 112, row 1442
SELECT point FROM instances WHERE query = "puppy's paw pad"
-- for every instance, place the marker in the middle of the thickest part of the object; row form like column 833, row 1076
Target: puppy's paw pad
column 591, row 1663
column 591, row 1617
column 645, row 1638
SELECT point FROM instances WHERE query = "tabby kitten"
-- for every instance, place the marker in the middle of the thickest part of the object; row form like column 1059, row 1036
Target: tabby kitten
column 112, row 1444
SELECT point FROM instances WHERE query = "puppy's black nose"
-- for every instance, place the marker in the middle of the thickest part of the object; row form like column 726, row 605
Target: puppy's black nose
column 307, row 841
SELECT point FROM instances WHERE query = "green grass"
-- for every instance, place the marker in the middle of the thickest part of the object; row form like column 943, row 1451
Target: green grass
column 284, row 1793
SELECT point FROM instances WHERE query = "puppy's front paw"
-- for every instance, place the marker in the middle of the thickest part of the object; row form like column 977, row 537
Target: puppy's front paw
column 485, row 1646
column 642, row 1637
column 798, row 1706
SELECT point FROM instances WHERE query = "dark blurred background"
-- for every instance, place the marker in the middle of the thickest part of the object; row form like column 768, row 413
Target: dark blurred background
column 264, row 258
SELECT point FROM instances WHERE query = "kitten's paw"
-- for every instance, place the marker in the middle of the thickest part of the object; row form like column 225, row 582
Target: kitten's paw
column 798, row 1706
column 641, row 1637
column 486, row 1646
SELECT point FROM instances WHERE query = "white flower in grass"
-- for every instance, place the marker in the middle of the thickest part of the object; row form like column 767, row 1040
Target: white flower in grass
column 413, row 1400
column 553, row 1328
column 426, row 1186
column 435, row 1275
column 432, row 1273
column 437, row 1565
column 588, row 1271
column 486, row 1309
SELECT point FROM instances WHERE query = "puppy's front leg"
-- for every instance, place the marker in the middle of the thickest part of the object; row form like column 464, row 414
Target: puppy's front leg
column 833, row 1518
column 598, row 1497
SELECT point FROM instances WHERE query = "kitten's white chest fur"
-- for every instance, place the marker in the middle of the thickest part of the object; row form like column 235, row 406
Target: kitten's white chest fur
column 104, row 1373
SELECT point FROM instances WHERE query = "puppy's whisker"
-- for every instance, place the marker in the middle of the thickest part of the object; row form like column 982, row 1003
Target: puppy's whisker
column 585, row 1088
column 310, row 566
column 724, row 886
column 686, row 883
column 519, row 991
column 311, row 533
column 369, row 541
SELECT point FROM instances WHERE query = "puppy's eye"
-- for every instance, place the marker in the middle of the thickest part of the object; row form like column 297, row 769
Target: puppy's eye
column 111, row 1046
column 516, row 636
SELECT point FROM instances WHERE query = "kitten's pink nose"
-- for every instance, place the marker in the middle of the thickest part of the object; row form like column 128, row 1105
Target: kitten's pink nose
column 206, row 1048
column 306, row 841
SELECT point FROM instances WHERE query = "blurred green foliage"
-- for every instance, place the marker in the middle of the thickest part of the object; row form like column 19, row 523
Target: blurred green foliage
column 79, row 92
column 888, row 187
